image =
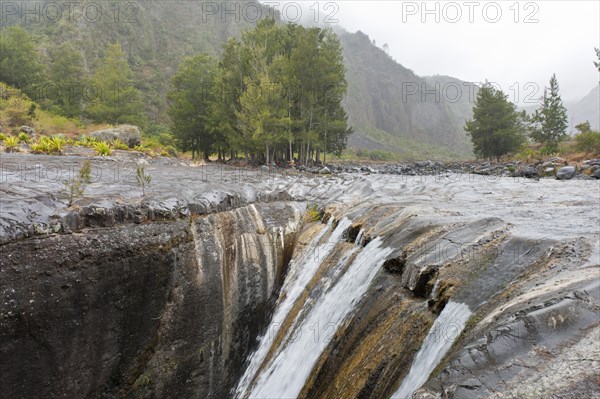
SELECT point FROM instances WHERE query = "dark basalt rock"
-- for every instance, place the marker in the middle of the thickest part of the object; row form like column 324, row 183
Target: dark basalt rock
column 396, row 265
column 565, row 173
column 352, row 232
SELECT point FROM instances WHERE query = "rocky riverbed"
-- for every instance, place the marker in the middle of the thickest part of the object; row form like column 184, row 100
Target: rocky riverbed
column 197, row 288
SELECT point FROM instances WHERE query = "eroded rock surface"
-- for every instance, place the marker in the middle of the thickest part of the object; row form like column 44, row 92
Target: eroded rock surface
column 170, row 295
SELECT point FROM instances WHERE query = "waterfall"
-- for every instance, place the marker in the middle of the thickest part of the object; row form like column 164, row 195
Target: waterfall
column 315, row 326
column 446, row 328
column 300, row 272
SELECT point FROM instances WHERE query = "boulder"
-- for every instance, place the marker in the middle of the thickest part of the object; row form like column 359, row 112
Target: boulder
column 596, row 174
column 128, row 134
column 565, row 173
column 27, row 129
column 325, row 171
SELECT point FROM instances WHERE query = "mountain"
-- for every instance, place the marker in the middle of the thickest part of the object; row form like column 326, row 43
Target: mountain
column 389, row 106
column 588, row 108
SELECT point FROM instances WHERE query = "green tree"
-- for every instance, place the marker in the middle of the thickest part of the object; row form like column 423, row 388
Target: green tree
column 116, row 99
column 263, row 118
column 66, row 75
column 584, row 127
column 20, row 63
column 550, row 122
column 496, row 128
column 191, row 105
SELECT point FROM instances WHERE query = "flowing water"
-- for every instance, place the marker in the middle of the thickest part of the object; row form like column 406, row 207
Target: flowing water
column 315, row 325
column 299, row 275
column 446, row 328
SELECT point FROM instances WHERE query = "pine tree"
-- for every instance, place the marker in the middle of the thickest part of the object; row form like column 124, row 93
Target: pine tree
column 496, row 127
column 550, row 121
column 66, row 76
column 116, row 100
column 191, row 105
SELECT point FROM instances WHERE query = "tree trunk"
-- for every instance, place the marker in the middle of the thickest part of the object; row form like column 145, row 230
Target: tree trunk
column 267, row 155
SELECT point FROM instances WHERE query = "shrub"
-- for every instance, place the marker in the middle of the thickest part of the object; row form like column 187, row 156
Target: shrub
column 2, row 137
column 41, row 147
column 102, row 148
column 119, row 145
column 75, row 187
column 588, row 141
column 23, row 137
column 312, row 213
column 11, row 144
column 87, row 141
column 143, row 180
column 56, row 144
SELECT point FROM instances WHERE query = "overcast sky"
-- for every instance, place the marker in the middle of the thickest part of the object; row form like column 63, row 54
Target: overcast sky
column 542, row 38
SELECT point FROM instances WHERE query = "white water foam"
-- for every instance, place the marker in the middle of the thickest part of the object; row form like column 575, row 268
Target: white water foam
column 446, row 328
column 287, row 373
column 301, row 271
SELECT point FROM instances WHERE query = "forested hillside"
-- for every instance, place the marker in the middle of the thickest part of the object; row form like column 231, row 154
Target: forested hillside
column 383, row 107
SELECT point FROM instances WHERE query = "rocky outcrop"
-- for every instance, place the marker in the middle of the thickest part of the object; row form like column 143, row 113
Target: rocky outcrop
column 159, row 309
column 164, row 296
column 128, row 134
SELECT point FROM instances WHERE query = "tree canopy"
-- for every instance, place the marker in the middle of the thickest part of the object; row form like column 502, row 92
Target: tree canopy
column 276, row 94
column 550, row 121
column 496, row 127
column 115, row 98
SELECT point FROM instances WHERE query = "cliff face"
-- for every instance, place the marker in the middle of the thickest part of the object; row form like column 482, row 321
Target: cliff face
column 165, row 309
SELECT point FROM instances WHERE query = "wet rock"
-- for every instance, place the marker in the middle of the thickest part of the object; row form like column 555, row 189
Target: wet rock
column 128, row 134
column 353, row 231
column 565, row 173
column 396, row 265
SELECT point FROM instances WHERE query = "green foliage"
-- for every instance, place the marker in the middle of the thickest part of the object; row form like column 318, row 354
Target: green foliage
column 119, row 145
column 56, row 144
column 276, row 92
column 20, row 64
column 583, row 127
column 11, row 144
column 549, row 123
column 67, row 79
column 496, row 128
column 190, row 102
column 75, row 187
column 117, row 100
column 143, row 179
column 49, row 145
column 312, row 213
column 23, row 137
column 2, row 137
column 588, row 141
column 102, row 148
column 87, row 141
